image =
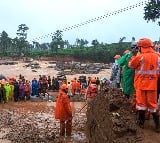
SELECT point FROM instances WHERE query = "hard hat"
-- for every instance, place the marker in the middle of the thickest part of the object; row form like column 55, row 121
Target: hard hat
column 145, row 43
column 126, row 51
column 64, row 86
column 93, row 80
column 117, row 56
column 133, row 45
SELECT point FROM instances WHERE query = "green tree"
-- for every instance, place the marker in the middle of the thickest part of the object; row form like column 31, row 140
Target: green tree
column 122, row 39
column 22, row 31
column 57, row 41
column 95, row 43
column 5, row 42
column 152, row 11
column 22, row 36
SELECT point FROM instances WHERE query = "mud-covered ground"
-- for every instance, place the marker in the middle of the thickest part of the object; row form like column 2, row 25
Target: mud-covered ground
column 110, row 120
column 33, row 122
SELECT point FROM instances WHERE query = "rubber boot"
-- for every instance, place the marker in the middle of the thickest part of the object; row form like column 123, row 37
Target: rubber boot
column 156, row 121
column 68, row 127
column 62, row 128
column 141, row 118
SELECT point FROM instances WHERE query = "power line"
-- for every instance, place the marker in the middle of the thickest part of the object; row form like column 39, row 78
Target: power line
column 95, row 19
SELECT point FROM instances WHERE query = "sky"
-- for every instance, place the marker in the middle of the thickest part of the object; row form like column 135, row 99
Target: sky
column 46, row 16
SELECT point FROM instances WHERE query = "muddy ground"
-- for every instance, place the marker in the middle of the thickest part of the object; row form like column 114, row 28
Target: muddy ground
column 33, row 121
column 110, row 120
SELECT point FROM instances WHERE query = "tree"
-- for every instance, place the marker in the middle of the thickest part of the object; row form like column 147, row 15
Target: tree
column 5, row 42
column 95, row 42
column 122, row 39
column 22, row 28
column 22, row 34
column 57, row 41
column 152, row 11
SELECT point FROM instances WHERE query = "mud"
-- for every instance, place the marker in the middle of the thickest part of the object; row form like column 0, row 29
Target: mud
column 110, row 120
column 33, row 122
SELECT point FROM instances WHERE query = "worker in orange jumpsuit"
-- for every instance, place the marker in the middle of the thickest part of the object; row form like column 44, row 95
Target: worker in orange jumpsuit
column 63, row 111
column 92, row 90
column 146, row 65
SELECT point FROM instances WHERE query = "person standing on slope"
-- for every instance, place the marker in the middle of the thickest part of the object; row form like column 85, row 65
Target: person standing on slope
column 127, row 73
column 115, row 73
column 146, row 65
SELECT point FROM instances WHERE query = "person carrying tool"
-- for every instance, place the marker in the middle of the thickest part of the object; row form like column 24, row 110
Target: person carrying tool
column 63, row 111
column 146, row 65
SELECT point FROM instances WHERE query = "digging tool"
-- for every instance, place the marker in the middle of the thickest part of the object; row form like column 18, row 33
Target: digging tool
column 82, row 108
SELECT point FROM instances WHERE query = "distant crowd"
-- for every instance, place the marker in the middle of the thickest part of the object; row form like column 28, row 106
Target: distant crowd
column 20, row 89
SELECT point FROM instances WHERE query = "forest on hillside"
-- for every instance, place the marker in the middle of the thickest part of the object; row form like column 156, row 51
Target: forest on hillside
column 97, row 52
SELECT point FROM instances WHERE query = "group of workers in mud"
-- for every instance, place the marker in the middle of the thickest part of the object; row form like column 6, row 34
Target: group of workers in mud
column 137, row 71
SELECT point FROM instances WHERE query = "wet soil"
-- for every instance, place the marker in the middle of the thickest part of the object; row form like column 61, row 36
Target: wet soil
column 33, row 122
column 108, row 120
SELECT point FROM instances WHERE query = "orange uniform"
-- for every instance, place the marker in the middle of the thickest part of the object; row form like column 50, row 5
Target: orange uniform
column 63, row 111
column 146, row 65
column 145, row 80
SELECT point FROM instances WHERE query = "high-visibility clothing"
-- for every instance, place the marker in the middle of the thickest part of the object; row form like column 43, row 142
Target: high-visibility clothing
column 63, row 109
column 146, row 65
column 92, row 90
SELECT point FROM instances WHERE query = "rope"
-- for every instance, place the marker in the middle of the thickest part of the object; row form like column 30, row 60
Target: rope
column 96, row 19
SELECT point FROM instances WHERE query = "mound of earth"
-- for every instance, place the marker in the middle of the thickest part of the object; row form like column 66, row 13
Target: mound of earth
column 110, row 119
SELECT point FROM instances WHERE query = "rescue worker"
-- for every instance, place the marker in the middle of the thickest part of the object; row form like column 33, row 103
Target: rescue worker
column 146, row 65
column 127, row 73
column 11, row 96
column 115, row 73
column 27, row 90
column 2, row 93
column 92, row 90
column 63, row 111
column 34, row 87
column 8, row 91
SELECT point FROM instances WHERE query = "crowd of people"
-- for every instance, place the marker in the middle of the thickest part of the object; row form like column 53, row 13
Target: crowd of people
column 21, row 89
column 137, row 71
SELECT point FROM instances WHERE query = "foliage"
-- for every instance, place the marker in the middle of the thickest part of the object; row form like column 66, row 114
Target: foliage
column 152, row 11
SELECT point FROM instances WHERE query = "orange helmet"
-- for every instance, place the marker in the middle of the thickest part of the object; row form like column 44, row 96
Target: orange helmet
column 93, row 80
column 64, row 86
column 145, row 43
column 117, row 56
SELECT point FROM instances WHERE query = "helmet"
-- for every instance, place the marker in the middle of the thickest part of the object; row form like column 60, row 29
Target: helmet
column 145, row 43
column 133, row 45
column 64, row 86
column 117, row 56
column 93, row 80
